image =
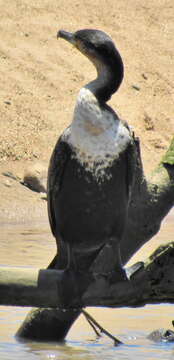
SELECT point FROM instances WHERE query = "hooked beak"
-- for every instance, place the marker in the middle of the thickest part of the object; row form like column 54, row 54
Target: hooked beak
column 66, row 36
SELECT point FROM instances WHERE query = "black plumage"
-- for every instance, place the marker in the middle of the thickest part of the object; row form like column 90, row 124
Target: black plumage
column 88, row 213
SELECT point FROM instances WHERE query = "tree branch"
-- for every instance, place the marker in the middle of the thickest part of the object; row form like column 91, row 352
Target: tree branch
column 150, row 202
column 149, row 282
column 152, row 283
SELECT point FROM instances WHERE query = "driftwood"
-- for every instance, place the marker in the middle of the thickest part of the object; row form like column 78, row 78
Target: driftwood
column 152, row 283
column 149, row 282
column 150, row 203
column 29, row 287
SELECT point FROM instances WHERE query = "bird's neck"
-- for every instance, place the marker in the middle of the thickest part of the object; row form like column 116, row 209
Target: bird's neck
column 109, row 78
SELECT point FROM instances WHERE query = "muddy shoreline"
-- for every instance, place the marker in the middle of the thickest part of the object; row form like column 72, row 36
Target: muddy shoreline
column 20, row 204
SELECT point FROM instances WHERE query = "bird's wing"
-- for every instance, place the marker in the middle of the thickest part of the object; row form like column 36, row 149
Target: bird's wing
column 58, row 161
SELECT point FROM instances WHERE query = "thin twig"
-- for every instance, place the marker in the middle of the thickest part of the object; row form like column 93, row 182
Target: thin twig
column 94, row 323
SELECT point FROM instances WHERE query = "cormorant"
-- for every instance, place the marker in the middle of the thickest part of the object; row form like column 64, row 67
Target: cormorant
column 90, row 173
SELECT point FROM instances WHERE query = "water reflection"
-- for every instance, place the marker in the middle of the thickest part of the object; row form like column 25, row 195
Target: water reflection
column 35, row 247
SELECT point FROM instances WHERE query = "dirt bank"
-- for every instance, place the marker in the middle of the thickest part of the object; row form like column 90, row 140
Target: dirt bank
column 40, row 78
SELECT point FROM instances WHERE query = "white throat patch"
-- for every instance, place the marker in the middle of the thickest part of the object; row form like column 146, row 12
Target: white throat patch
column 96, row 135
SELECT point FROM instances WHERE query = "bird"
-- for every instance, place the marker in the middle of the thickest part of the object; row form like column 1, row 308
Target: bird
column 91, row 170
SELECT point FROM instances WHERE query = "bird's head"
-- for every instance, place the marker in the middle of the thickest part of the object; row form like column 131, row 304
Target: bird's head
column 100, row 49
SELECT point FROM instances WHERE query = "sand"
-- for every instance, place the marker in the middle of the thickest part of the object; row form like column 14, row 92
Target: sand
column 41, row 76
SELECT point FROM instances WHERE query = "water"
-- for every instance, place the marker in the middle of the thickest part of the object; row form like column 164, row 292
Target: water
column 35, row 247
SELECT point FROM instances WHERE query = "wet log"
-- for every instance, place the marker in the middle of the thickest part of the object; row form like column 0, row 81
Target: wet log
column 152, row 198
column 149, row 282
column 29, row 287
column 47, row 324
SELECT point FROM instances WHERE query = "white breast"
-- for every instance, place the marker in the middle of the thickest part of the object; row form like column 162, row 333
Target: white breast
column 96, row 135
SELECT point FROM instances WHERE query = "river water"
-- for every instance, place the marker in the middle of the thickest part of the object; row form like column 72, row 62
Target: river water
column 33, row 246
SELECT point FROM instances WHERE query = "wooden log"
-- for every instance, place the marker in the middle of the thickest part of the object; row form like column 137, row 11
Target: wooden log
column 149, row 282
column 151, row 200
column 47, row 324
column 152, row 282
column 38, row 288
column 29, row 287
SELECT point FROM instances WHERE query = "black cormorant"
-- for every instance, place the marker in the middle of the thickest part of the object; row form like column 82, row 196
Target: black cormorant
column 90, row 173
